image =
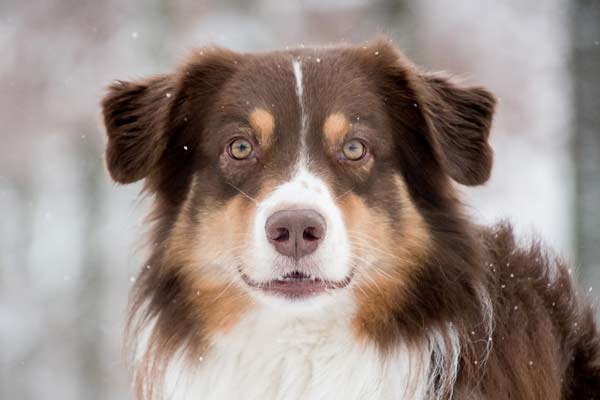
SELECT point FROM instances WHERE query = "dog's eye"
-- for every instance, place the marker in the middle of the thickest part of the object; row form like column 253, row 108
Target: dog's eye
column 354, row 150
column 240, row 149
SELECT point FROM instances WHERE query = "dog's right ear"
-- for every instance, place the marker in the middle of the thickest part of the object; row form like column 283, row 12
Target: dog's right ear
column 141, row 118
column 136, row 116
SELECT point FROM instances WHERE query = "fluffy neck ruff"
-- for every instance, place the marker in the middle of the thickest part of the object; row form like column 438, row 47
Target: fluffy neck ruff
column 272, row 354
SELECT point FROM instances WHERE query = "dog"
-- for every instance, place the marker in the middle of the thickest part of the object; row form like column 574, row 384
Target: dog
column 308, row 241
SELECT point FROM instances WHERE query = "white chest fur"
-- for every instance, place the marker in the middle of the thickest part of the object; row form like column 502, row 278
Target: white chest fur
column 269, row 356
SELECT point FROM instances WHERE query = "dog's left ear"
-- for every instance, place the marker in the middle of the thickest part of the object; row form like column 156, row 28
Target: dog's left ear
column 459, row 121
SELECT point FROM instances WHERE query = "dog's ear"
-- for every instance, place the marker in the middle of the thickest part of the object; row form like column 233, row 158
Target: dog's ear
column 136, row 116
column 454, row 119
column 458, row 121
column 146, row 120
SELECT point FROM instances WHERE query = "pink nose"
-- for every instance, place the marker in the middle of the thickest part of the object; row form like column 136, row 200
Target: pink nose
column 295, row 233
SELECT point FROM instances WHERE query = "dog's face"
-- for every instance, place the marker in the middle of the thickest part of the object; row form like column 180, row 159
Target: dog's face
column 298, row 177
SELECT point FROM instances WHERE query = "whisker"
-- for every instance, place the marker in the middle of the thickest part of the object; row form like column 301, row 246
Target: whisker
column 361, row 289
column 368, row 243
column 381, row 272
column 368, row 246
column 243, row 193
column 374, row 283
column 345, row 193
column 217, row 297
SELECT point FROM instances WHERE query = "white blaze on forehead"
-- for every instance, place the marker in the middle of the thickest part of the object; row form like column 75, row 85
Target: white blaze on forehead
column 297, row 65
column 298, row 75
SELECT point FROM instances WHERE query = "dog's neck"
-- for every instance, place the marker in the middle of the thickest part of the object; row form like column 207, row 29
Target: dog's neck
column 277, row 355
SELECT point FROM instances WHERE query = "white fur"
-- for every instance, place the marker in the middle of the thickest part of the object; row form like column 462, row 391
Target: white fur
column 297, row 66
column 271, row 355
column 330, row 261
column 487, row 322
column 298, row 75
column 446, row 359
column 276, row 355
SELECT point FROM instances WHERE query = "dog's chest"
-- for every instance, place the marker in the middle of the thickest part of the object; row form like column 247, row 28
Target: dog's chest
column 298, row 359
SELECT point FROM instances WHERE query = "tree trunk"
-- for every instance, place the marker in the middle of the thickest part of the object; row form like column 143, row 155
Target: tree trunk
column 586, row 71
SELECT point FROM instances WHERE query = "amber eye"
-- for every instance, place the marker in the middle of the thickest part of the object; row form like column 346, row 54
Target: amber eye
column 240, row 149
column 354, row 150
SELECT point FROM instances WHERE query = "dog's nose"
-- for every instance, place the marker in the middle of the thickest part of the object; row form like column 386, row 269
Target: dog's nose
column 295, row 233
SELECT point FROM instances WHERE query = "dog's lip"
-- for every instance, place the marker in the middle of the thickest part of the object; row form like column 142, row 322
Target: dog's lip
column 296, row 284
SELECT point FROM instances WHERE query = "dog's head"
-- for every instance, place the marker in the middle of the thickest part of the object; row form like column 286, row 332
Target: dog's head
column 299, row 178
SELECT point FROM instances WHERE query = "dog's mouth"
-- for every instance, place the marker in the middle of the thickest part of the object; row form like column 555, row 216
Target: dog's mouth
column 297, row 284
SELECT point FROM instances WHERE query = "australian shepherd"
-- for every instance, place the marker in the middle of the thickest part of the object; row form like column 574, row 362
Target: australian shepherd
column 308, row 241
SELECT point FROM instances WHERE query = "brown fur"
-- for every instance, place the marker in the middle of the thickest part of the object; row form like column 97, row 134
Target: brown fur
column 523, row 334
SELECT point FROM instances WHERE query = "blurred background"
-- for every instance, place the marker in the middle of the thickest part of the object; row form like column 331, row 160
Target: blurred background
column 70, row 239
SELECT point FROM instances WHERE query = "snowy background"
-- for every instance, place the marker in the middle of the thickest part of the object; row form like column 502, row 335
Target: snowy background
column 70, row 239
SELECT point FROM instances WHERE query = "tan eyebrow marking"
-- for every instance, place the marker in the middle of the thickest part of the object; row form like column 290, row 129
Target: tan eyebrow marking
column 335, row 128
column 263, row 123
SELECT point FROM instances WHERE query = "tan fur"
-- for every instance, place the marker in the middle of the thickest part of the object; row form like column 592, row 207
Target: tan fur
column 220, row 239
column 392, row 256
column 217, row 240
column 263, row 123
column 335, row 128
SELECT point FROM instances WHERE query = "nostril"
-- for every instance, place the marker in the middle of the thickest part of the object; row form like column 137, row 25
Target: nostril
column 281, row 235
column 312, row 234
